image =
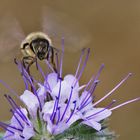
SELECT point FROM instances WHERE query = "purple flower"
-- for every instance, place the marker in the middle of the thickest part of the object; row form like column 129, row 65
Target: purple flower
column 20, row 126
column 54, row 105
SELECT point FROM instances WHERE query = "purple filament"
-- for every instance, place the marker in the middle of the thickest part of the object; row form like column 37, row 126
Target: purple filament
column 49, row 65
column 86, row 99
column 23, row 76
column 87, row 85
column 12, row 127
column 47, row 86
column 16, row 118
column 34, row 90
column 9, row 88
column 15, row 107
column 5, row 127
column 93, row 86
column 58, row 94
column 58, row 116
column 125, row 103
column 54, row 108
column 74, row 102
column 57, row 61
column 99, row 72
column 86, row 103
column 62, row 55
column 116, row 87
column 90, row 117
column 80, row 61
column 67, row 104
column 83, row 67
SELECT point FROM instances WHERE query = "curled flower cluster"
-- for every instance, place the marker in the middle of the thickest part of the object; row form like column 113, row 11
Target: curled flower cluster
column 52, row 107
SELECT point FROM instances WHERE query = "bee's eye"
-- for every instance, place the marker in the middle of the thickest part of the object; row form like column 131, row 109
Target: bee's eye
column 33, row 43
column 25, row 45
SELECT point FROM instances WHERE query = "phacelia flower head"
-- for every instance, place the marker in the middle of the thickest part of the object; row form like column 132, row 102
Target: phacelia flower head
column 59, row 107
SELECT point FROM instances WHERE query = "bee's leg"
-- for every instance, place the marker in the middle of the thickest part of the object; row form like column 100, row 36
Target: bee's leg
column 50, row 58
column 27, row 61
column 36, row 63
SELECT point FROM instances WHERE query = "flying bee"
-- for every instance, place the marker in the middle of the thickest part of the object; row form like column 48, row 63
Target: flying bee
column 38, row 45
column 35, row 46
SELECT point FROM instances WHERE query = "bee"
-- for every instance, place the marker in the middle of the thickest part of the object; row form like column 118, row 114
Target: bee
column 37, row 45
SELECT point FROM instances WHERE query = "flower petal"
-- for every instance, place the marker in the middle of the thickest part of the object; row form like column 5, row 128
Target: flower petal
column 47, row 109
column 28, row 132
column 73, row 119
column 83, row 98
column 100, row 114
column 31, row 101
column 93, row 124
column 51, row 81
column 70, row 79
column 41, row 92
column 55, row 129
column 64, row 92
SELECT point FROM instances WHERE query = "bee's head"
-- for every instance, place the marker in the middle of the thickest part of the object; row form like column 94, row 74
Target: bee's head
column 38, row 43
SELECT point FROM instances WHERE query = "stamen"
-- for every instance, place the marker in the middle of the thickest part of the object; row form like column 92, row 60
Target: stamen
column 62, row 55
column 53, row 120
column 112, row 90
column 83, row 67
column 96, row 81
column 47, row 86
column 15, row 107
column 67, row 104
column 54, row 108
column 80, row 61
column 40, row 69
column 74, row 102
column 59, row 93
column 20, row 67
column 22, row 136
column 87, row 85
column 99, row 72
column 13, row 127
column 58, row 115
column 125, row 103
column 91, row 90
column 5, row 128
column 87, row 103
column 34, row 90
column 16, row 118
column 9, row 88
column 28, row 77
column 25, row 82
column 57, row 61
column 49, row 65
column 86, row 90
column 90, row 117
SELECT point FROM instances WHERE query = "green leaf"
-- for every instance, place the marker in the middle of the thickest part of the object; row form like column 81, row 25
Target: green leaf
column 80, row 131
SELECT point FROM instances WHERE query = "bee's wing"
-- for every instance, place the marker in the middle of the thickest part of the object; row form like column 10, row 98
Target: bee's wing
column 11, row 36
column 58, row 24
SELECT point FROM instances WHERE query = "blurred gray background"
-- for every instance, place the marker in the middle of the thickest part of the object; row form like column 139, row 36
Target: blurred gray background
column 110, row 28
